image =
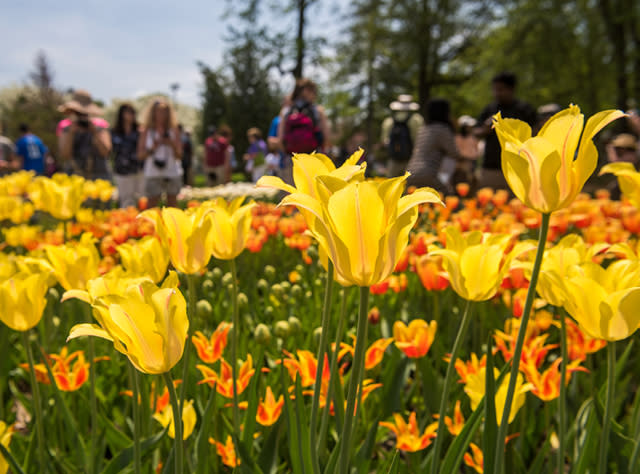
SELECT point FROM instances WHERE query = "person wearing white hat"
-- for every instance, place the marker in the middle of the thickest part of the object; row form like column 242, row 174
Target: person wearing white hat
column 83, row 145
column 399, row 133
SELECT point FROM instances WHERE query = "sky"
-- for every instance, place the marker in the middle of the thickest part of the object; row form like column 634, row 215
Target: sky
column 116, row 48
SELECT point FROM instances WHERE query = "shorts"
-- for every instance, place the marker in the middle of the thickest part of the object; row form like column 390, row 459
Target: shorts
column 154, row 187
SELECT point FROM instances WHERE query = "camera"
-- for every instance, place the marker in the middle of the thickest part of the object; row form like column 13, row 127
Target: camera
column 166, row 134
column 83, row 122
column 159, row 163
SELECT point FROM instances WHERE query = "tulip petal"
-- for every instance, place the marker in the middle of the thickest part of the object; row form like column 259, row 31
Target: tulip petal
column 275, row 182
column 87, row 329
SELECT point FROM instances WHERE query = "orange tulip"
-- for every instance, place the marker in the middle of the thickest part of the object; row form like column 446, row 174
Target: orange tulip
column 226, row 451
column 546, row 386
column 210, row 350
column 408, row 437
column 224, row 381
column 471, row 367
column 414, row 340
column 431, row 272
column 269, row 410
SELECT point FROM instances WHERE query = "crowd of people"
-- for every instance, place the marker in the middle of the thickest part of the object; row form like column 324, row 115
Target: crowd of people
column 155, row 157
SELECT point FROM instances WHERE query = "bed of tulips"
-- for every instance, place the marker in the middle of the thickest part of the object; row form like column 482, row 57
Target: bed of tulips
column 347, row 327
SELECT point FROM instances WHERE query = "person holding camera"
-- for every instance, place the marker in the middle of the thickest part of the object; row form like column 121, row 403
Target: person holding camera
column 84, row 145
column 160, row 145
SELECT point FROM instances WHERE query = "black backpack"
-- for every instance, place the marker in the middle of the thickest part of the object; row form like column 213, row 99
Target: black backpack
column 400, row 143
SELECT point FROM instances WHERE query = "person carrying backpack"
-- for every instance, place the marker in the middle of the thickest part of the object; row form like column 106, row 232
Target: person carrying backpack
column 303, row 126
column 399, row 132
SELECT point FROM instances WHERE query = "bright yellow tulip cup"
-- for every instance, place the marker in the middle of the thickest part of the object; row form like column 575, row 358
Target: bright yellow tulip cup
column 546, row 172
column 23, row 300
column 149, row 325
column 363, row 228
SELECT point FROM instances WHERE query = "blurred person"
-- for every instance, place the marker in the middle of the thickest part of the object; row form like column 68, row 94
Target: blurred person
column 303, row 126
column 434, row 156
column 254, row 158
column 84, row 146
column 8, row 162
column 272, row 160
column 127, row 168
column 187, row 154
column 160, row 147
column 623, row 148
column 399, row 133
column 503, row 87
column 30, row 151
column 469, row 148
column 217, row 156
column 544, row 113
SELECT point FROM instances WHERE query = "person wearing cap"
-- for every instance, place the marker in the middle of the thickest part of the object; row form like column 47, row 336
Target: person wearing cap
column 623, row 147
column 404, row 113
column 8, row 162
column 83, row 145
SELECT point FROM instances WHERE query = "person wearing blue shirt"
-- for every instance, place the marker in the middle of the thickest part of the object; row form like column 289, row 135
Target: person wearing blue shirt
column 30, row 150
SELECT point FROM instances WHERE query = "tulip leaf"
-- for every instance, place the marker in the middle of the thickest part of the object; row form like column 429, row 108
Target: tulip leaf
column 294, row 441
column 116, row 438
column 490, row 424
column 395, row 373
column 201, row 451
column 252, row 408
column 15, row 467
column 125, row 457
column 587, row 436
column 541, row 457
column 364, row 455
column 269, row 455
column 395, row 463
column 248, row 465
column 303, row 429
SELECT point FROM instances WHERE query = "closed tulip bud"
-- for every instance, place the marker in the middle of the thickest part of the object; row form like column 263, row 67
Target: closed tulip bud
column 243, row 301
column 203, row 309
column 216, row 274
column 312, row 252
column 295, row 326
column 208, row 286
column 286, row 286
column 277, row 290
column 308, row 294
column 269, row 272
column 300, row 269
column 227, row 279
column 262, row 285
column 374, row 315
column 269, row 311
column 54, row 294
column 262, row 334
column 296, row 292
column 281, row 329
column 317, row 282
column 23, row 299
column 316, row 335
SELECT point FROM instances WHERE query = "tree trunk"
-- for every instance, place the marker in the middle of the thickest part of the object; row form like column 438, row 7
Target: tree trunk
column 297, row 71
column 615, row 24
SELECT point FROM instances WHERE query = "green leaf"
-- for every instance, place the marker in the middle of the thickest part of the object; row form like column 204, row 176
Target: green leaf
column 587, row 436
column 117, row 438
column 252, row 408
column 269, row 455
column 490, row 424
column 303, row 429
column 202, row 440
column 364, row 455
column 248, row 465
column 125, row 457
column 541, row 457
column 395, row 463
column 292, row 429
column 15, row 467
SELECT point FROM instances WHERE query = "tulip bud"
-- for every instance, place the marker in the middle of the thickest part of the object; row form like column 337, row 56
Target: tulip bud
column 230, row 288
column 208, row 286
column 216, row 274
column 295, row 326
column 300, row 269
column 277, row 290
column 317, row 282
column 296, row 291
column 316, row 335
column 308, row 294
column 203, row 309
column 262, row 334
column 269, row 272
column 374, row 315
column 312, row 252
column 227, row 279
column 54, row 294
column 281, row 329
column 243, row 301
column 269, row 311
column 286, row 286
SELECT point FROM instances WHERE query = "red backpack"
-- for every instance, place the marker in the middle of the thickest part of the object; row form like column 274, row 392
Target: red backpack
column 301, row 133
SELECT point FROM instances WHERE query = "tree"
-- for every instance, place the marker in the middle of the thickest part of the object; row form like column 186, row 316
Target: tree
column 214, row 100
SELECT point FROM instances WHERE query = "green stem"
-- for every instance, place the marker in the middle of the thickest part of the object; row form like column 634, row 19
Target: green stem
column 192, row 281
column 177, row 422
column 355, row 380
column 608, row 410
column 324, row 424
column 562, row 411
column 93, row 399
column 234, row 351
column 517, row 353
column 448, row 380
column 37, row 407
column 136, row 419
column 322, row 350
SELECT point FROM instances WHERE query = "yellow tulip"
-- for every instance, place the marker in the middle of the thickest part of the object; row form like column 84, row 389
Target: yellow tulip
column 15, row 184
column 605, row 302
column 231, row 224
column 60, row 196
column 23, row 299
column 115, row 282
column 185, row 234
column 571, row 250
column 146, row 256
column 7, row 266
column 475, row 390
column 6, row 432
column 541, row 170
column 306, row 167
column 362, row 226
column 16, row 210
column 628, row 179
column 477, row 262
column 74, row 264
column 165, row 418
column 146, row 323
